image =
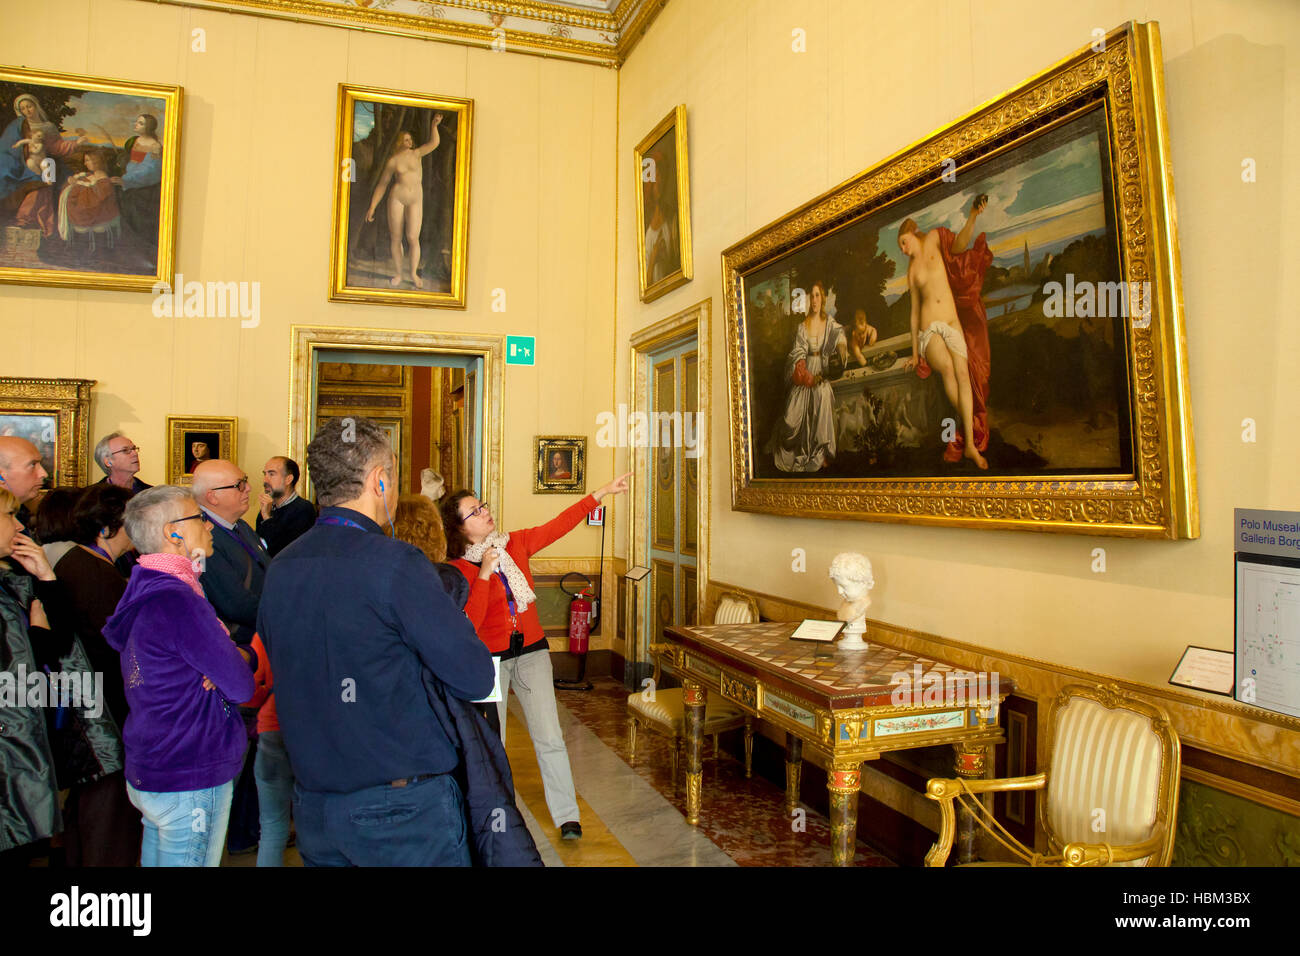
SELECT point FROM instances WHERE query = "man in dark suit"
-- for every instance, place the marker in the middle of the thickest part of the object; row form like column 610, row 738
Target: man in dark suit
column 232, row 582
column 283, row 516
column 120, row 459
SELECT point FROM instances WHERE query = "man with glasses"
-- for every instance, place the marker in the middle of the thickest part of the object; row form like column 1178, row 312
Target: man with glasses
column 120, row 459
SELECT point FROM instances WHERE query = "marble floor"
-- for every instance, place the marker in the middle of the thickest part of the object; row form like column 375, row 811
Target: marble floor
column 632, row 815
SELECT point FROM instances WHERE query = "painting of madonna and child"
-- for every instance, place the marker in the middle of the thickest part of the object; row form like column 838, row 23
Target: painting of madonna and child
column 948, row 334
column 405, row 208
column 82, row 181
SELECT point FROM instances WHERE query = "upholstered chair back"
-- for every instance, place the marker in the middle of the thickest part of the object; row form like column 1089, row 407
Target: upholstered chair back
column 736, row 608
column 1114, row 764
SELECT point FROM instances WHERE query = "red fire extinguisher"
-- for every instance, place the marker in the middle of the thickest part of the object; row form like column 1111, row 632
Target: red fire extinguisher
column 582, row 616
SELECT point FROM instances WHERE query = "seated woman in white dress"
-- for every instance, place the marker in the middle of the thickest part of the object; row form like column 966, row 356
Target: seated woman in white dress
column 804, row 437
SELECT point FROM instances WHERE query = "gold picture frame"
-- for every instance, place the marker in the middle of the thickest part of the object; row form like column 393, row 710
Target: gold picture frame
column 370, row 131
column 1145, row 484
column 120, row 235
column 54, row 415
column 184, row 432
column 561, row 465
column 672, row 264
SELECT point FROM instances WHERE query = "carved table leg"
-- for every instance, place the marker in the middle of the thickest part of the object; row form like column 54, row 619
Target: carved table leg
column 793, row 769
column 844, row 781
column 693, row 704
column 749, row 747
column 631, row 740
column 969, row 764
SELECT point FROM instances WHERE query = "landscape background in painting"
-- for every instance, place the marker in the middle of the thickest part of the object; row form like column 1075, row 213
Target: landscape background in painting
column 68, row 225
column 41, row 430
column 376, row 131
column 1058, row 386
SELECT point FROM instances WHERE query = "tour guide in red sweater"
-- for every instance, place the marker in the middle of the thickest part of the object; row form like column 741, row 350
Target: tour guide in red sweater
column 502, row 607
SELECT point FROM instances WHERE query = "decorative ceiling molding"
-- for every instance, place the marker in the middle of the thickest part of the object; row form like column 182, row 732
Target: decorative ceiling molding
column 591, row 31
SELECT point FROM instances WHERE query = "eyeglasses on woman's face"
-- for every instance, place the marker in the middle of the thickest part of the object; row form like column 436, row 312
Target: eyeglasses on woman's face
column 481, row 509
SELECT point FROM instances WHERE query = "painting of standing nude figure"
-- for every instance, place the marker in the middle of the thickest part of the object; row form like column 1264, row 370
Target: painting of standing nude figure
column 923, row 340
column 402, row 198
column 87, row 180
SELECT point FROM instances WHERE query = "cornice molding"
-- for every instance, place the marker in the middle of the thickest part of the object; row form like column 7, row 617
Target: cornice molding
column 535, row 27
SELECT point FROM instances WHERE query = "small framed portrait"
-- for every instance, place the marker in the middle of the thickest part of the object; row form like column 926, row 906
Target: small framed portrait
column 561, row 465
column 53, row 414
column 194, row 440
column 663, row 207
column 88, row 171
column 401, row 198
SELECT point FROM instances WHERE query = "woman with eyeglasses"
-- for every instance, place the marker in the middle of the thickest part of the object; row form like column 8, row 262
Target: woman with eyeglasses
column 185, row 740
column 502, row 607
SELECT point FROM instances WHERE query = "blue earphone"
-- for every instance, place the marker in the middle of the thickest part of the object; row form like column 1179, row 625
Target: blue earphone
column 177, row 537
column 386, row 514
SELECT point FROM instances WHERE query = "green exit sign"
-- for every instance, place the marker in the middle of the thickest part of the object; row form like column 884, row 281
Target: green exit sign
column 521, row 350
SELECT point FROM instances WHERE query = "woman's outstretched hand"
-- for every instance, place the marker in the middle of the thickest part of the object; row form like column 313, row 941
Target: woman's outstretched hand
column 615, row 487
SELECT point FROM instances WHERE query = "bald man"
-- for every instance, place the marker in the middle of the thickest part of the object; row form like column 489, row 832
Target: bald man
column 232, row 578
column 22, row 472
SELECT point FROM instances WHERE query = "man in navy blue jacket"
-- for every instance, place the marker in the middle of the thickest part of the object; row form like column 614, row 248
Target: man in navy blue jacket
column 351, row 619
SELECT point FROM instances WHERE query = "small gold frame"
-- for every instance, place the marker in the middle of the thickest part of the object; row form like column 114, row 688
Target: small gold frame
column 178, row 426
column 170, row 133
column 340, row 290
column 63, row 405
column 653, row 289
column 549, row 480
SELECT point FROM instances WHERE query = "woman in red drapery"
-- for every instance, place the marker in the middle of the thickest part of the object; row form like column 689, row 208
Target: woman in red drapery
column 966, row 264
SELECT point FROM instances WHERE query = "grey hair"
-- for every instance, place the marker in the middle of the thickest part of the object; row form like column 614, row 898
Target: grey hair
column 342, row 453
column 101, row 450
column 148, row 513
column 848, row 565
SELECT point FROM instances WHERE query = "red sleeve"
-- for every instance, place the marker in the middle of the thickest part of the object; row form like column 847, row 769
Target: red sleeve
column 476, row 607
column 801, row 376
column 262, row 678
column 532, row 540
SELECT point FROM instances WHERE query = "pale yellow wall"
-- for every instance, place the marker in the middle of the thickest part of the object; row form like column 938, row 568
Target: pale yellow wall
column 255, row 195
column 770, row 129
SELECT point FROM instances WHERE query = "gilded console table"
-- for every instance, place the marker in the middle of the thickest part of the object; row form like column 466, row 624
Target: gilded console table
column 847, row 707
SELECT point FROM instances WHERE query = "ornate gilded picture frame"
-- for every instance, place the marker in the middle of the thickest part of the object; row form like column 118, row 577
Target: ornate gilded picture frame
column 985, row 329
column 561, row 465
column 88, row 170
column 401, row 198
column 194, row 439
column 663, row 207
column 54, row 415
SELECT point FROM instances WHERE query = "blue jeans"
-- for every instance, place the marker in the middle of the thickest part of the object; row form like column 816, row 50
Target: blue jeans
column 183, row 828
column 274, row 797
column 421, row 824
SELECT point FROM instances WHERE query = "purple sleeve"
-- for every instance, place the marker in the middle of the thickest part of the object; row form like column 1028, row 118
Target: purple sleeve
column 202, row 642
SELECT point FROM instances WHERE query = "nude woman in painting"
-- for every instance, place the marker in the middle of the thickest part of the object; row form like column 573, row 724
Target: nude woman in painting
column 406, row 201
column 943, row 327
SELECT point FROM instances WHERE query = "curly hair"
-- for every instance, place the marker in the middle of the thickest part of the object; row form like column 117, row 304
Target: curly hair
column 100, row 506
column 457, row 543
column 342, row 454
column 416, row 521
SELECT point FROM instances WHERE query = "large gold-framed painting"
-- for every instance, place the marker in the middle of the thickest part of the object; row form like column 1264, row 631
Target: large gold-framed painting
column 54, row 415
column 663, row 207
column 87, row 180
column 985, row 329
column 401, row 198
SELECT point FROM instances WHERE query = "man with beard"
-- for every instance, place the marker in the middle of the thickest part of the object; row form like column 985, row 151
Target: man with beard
column 283, row 516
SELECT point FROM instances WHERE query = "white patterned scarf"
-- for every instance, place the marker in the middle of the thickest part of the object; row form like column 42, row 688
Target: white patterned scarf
column 524, row 595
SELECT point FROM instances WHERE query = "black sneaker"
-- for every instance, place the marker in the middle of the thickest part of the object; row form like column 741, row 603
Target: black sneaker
column 571, row 830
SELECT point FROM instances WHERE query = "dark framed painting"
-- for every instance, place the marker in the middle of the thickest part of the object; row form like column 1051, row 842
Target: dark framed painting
column 663, row 207
column 192, row 440
column 54, row 415
column 984, row 330
column 561, row 464
column 401, row 198
column 87, row 180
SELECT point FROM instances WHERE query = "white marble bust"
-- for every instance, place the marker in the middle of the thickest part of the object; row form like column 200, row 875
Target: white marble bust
column 853, row 579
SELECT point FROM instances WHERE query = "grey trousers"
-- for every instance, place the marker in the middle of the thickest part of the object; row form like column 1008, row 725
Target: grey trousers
column 531, row 678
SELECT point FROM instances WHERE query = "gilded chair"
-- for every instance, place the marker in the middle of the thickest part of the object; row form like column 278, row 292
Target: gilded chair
column 1110, row 792
column 662, row 710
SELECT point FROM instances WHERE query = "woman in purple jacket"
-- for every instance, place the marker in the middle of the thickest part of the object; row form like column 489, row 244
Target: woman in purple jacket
column 184, row 680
